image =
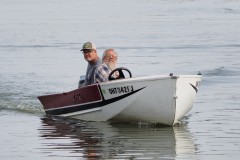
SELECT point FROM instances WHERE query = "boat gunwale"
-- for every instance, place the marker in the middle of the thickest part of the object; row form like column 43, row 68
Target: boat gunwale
column 148, row 78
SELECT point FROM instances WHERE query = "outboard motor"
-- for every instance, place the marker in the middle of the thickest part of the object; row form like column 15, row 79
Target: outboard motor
column 81, row 82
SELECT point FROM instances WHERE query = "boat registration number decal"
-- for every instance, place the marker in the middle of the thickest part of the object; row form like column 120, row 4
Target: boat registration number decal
column 124, row 89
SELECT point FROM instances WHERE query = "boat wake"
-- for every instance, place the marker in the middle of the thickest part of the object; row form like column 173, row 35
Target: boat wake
column 221, row 71
column 26, row 107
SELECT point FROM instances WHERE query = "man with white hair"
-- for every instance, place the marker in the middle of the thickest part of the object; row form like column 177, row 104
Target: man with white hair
column 109, row 62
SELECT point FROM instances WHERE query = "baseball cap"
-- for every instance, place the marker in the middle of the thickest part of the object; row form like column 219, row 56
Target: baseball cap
column 89, row 45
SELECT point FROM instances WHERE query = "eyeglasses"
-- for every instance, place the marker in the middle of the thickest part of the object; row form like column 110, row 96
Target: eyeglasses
column 111, row 56
column 85, row 51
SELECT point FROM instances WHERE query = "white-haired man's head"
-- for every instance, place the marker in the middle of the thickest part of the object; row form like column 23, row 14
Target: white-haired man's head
column 110, row 58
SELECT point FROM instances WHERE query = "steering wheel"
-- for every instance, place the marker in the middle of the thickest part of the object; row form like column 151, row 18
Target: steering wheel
column 121, row 74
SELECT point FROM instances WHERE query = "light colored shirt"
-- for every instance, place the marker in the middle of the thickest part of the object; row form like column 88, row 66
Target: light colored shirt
column 89, row 79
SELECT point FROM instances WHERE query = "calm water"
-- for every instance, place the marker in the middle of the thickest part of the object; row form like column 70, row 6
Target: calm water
column 39, row 54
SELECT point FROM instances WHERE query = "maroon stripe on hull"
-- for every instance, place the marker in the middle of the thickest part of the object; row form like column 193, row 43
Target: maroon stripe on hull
column 88, row 94
column 65, row 110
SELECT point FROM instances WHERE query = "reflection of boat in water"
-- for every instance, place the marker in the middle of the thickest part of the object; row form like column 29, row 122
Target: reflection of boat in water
column 154, row 99
column 107, row 140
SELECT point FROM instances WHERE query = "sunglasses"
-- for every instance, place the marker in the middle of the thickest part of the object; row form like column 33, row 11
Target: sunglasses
column 85, row 51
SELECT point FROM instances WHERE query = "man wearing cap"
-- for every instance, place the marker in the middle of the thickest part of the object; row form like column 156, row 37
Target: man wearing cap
column 89, row 51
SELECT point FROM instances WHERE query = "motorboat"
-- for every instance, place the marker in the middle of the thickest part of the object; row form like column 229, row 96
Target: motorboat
column 163, row 99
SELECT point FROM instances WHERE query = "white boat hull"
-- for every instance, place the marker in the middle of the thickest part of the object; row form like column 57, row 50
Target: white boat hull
column 153, row 99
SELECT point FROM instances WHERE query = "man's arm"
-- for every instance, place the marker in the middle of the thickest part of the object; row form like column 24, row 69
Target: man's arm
column 101, row 74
